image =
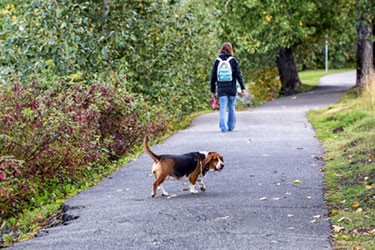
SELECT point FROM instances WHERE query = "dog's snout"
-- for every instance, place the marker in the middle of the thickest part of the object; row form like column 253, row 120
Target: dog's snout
column 219, row 167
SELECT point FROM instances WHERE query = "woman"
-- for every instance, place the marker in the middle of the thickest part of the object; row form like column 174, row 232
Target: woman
column 226, row 85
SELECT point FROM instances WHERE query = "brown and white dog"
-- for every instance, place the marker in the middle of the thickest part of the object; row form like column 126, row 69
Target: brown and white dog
column 194, row 166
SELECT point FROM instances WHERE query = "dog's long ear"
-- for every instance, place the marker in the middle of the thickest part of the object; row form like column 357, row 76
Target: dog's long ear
column 208, row 159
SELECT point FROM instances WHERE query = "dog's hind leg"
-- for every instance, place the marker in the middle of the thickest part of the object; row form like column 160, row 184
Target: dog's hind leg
column 164, row 193
column 158, row 183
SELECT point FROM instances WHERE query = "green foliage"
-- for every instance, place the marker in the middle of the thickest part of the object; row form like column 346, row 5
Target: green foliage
column 347, row 130
column 340, row 28
column 266, row 85
column 259, row 28
column 163, row 50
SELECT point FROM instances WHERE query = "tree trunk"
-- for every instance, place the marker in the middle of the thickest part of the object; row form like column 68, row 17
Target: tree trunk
column 287, row 71
column 365, row 53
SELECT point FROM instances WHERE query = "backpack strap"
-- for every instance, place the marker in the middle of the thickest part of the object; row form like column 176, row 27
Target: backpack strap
column 228, row 59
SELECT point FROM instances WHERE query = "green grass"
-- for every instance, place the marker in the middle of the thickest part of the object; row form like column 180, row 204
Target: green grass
column 310, row 78
column 350, row 166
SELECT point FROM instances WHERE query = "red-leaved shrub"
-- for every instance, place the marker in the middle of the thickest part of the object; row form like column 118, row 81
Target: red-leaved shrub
column 55, row 132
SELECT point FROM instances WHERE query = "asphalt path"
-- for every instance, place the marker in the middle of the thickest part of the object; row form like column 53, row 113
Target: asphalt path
column 269, row 195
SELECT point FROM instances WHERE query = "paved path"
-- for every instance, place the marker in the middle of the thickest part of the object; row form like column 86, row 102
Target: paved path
column 251, row 204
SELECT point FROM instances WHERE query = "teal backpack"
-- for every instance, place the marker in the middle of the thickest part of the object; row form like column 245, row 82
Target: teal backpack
column 224, row 70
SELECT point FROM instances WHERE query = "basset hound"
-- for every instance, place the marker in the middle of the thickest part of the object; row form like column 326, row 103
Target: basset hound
column 194, row 166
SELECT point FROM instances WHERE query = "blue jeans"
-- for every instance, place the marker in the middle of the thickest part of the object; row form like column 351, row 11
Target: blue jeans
column 227, row 122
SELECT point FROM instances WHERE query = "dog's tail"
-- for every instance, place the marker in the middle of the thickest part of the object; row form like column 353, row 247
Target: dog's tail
column 148, row 151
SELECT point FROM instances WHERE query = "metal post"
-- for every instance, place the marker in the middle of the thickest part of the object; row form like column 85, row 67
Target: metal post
column 326, row 52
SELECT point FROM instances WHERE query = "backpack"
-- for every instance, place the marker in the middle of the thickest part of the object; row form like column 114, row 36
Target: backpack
column 224, row 70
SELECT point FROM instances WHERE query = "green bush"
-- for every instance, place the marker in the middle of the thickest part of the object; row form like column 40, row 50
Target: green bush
column 266, row 85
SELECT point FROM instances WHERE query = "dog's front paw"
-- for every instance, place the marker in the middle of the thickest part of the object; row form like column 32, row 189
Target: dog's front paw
column 193, row 191
column 203, row 188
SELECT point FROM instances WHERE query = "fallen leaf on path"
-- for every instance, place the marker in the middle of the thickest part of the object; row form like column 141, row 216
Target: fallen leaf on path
column 155, row 242
column 172, row 196
column 296, row 181
column 313, row 221
column 263, row 199
column 222, row 218
column 123, row 190
column 276, row 199
column 317, row 216
column 294, row 97
column 290, row 215
column 308, row 197
column 291, row 228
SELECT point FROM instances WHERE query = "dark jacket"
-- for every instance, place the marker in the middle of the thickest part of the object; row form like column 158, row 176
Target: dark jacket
column 229, row 88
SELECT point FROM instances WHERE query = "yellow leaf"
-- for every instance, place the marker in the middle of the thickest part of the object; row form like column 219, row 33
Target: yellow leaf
column 296, row 181
column 335, row 212
column 355, row 205
column 368, row 187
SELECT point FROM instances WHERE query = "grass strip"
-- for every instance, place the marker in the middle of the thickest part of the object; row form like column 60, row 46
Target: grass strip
column 347, row 131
